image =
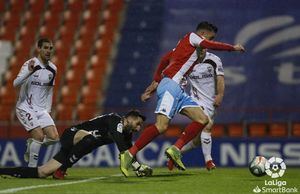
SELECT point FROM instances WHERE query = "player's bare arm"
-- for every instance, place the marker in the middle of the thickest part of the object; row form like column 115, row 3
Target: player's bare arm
column 220, row 88
column 149, row 91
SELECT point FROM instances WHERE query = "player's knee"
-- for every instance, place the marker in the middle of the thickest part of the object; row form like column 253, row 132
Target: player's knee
column 55, row 137
column 38, row 138
column 53, row 134
column 48, row 141
column 89, row 139
column 43, row 172
column 204, row 120
column 37, row 134
column 208, row 126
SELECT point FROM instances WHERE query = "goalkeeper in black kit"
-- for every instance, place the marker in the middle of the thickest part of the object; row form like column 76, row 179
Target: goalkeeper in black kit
column 81, row 139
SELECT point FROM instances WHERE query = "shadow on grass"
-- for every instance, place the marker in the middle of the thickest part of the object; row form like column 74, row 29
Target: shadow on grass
column 165, row 177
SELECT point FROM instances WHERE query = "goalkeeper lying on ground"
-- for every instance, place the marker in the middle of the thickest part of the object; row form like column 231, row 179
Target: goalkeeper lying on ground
column 81, row 139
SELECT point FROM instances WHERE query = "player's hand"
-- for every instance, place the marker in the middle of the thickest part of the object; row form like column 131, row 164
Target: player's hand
column 31, row 65
column 144, row 170
column 146, row 96
column 149, row 90
column 239, row 47
column 218, row 100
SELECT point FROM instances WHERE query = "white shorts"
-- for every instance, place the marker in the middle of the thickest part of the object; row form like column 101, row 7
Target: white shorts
column 31, row 119
column 210, row 112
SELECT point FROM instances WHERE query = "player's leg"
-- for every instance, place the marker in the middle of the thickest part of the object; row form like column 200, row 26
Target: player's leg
column 192, row 110
column 48, row 126
column 30, row 122
column 20, row 172
column 66, row 141
column 206, row 145
column 34, row 146
column 189, row 146
column 84, row 143
column 166, row 108
column 148, row 134
column 32, row 172
column 48, row 168
column 199, row 119
column 192, row 144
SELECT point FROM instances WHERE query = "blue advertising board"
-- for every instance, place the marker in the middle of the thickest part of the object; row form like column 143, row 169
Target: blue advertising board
column 227, row 152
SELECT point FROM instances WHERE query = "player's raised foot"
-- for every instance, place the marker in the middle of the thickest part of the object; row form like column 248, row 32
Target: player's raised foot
column 174, row 154
column 125, row 162
column 210, row 165
column 59, row 174
column 170, row 165
column 27, row 152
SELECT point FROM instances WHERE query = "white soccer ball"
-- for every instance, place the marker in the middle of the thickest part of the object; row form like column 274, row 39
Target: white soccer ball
column 257, row 166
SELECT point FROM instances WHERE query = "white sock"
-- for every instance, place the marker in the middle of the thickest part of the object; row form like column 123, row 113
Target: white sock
column 206, row 145
column 34, row 149
column 189, row 146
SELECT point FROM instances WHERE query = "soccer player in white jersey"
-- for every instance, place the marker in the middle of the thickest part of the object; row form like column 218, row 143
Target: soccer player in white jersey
column 172, row 99
column 35, row 82
column 207, row 88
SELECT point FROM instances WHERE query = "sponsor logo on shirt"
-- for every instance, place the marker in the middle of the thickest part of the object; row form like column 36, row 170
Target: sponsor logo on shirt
column 120, row 128
column 39, row 83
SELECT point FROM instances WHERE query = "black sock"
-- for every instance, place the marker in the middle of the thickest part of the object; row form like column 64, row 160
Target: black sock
column 20, row 172
column 83, row 147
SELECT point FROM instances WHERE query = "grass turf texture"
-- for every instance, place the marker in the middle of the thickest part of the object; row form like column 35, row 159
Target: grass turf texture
column 110, row 180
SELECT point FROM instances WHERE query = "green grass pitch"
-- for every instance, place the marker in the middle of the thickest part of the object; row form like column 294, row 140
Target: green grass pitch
column 110, row 181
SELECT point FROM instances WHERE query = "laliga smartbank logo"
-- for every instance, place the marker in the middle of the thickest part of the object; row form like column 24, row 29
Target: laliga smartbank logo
column 275, row 168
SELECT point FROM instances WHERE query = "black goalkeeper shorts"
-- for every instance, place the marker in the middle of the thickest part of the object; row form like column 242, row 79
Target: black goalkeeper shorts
column 66, row 141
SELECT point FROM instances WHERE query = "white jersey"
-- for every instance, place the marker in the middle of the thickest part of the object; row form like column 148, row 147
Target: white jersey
column 202, row 80
column 36, row 87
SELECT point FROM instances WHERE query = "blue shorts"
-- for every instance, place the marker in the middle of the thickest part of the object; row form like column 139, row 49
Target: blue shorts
column 172, row 98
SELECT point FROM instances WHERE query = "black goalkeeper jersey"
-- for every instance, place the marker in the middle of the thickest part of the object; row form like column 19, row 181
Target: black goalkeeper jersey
column 107, row 129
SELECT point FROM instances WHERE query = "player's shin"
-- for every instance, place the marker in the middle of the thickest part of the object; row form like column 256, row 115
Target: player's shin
column 147, row 136
column 20, row 172
column 189, row 133
column 206, row 143
column 34, row 149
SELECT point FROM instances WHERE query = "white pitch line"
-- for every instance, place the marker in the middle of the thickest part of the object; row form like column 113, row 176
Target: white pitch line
column 14, row 190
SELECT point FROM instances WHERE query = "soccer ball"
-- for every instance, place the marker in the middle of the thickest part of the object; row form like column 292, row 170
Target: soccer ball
column 257, row 166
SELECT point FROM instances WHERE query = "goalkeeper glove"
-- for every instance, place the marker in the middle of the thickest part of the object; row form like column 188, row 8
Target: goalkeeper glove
column 143, row 170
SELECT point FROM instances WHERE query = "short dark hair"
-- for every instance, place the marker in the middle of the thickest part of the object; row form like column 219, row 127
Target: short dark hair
column 135, row 113
column 41, row 42
column 207, row 26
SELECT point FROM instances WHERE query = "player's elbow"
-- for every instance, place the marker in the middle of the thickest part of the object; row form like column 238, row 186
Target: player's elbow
column 16, row 83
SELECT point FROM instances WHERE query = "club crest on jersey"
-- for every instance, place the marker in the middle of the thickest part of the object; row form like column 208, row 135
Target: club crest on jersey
column 210, row 69
column 50, row 76
column 120, row 128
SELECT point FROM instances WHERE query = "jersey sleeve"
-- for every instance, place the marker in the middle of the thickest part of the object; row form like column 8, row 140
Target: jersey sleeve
column 195, row 40
column 22, row 75
column 198, row 41
column 207, row 44
column 164, row 62
column 121, row 138
column 219, row 68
